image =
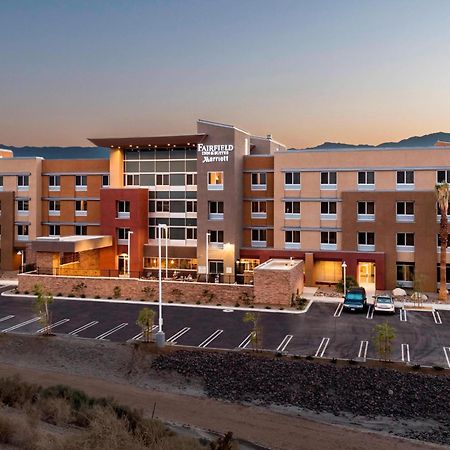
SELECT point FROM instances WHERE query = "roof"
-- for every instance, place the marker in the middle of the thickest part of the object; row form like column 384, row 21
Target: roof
column 70, row 244
column 152, row 141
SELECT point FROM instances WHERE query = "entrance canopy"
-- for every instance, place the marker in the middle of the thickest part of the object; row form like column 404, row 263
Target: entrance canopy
column 71, row 244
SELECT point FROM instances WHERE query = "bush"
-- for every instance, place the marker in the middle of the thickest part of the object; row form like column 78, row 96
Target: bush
column 97, row 297
column 237, row 305
column 117, row 292
column 56, row 411
column 59, row 295
column 198, row 302
column 83, row 295
column 71, row 295
column 26, row 292
column 350, row 281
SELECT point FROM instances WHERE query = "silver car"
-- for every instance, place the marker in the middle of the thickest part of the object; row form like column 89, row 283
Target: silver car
column 384, row 303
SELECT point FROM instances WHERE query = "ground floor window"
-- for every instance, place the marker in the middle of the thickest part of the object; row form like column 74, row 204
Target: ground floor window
column 405, row 274
column 438, row 270
column 248, row 265
column 173, row 263
column 216, row 266
column 327, row 271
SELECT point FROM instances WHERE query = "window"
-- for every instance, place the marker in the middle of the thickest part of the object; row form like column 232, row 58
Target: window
column 259, row 237
column 259, row 209
column 328, row 240
column 123, row 209
column 216, row 237
column 443, row 176
column 405, row 274
column 438, row 272
column 191, row 179
column 292, row 210
column 122, row 236
column 105, row 180
column 366, row 241
column 215, row 181
column 405, row 180
column 292, row 180
column 80, row 230
column 23, row 182
column 54, row 207
column 162, row 206
column 405, row 242
column 328, row 210
column 81, row 208
column 132, row 179
column 259, row 181
column 366, row 180
column 366, row 211
column 1, row 182
column 162, row 179
column 328, row 180
column 54, row 182
column 191, row 206
column 22, row 232
column 215, row 267
column 191, row 233
column 53, row 230
column 81, row 183
column 292, row 239
column 22, row 207
column 215, row 210
column 405, row 211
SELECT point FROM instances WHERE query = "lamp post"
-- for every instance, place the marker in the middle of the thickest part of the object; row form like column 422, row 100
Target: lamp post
column 129, row 252
column 344, row 267
column 160, row 336
column 208, row 235
column 21, row 254
column 166, row 233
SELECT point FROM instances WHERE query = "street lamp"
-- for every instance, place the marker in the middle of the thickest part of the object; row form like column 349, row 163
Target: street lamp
column 21, row 254
column 129, row 250
column 208, row 235
column 344, row 267
column 166, row 232
column 160, row 336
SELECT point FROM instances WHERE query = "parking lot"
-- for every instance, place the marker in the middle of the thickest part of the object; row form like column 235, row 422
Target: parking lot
column 324, row 331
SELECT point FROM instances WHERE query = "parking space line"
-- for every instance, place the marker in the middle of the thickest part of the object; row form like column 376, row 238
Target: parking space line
column 363, row 350
column 111, row 331
column 437, row 317
column 284, row 343
column 339, row 309
column 178, row 334
column 405, row 353
column 6, row 318
column 83, row 327
column 403, row 317
column 20, row 325
column 139, row 335
column 53, row 325
column 447, row 355
column 211, row 338
column 370, row 311
column 322, row 347
column 246, row 341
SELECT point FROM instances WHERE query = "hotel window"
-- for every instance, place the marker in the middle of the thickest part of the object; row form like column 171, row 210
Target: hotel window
column 328, row 210
column 292, row 180
column 447, row 272
column 259, row 237
column 405, row 212
column 81, row 183
column 292, row 239
column 162, row 206
column 22, row 207
column 215, row 181
column 259, row 209
column 328, row 240
column 132, row 180
column 216, row 237
column 1, row 182
column 405, row 242
column 80, row 208
column 162, row 179
column 105, row 180
column 54, row 182
column 215, row 210
column 191, row 179
column 191, row 233
column 366, row 241
column 123, row 209
column 405, row 274
column 191, row 206
column 22, row 232
column 292, row 210
column 259, row 181
column 80, row 230
column 53, row 230
column 443, row 176
column 366, row 211
column 366, row 180
column 438, row 240
column 328, row 180
column 405, row 180
column 54, row 207
column 122, row 236
column 23, row 182
column 215, row 267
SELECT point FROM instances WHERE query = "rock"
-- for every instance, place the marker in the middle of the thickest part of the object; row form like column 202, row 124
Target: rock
column 398, row 292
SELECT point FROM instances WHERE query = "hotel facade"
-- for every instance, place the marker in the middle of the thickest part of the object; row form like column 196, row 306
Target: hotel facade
column 225, row 202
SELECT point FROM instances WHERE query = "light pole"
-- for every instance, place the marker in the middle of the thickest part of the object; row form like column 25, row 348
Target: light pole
column 166, row 233
column 129, row 254
column 208, row 235
column 21, row 254
column 344, row 267
column 160, row 337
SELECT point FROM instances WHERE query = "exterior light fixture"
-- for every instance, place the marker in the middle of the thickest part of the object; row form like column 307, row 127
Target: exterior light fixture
column 344, row 267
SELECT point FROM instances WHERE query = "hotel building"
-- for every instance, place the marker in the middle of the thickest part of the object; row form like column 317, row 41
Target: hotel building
column 228, row 201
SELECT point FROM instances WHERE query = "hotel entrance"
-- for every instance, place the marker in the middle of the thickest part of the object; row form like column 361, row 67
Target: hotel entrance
column 366, row 275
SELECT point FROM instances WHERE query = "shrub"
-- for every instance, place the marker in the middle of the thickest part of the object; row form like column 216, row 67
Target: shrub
column 109, row 298
column 97, row 297
column 208, row 295
column 246, row 298
column 59, row 295
column 83, row 296
column 26, row 292
column 350, row 282
column 71, row 295
column 117, row 292
column 198, row 302
column 56, row 411
column 237, row 305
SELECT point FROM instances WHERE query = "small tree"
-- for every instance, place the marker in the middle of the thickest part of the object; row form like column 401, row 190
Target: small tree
column 79, row 289
column 442, row 197
column 149, row 292
column 117, row 292
column 177, row 294
column 146, row 319
column 416, row 296
column 384, row 335
column 350, row 282
column 42, row 304
column 246, row 298
column 256, row 331
column 208, row 295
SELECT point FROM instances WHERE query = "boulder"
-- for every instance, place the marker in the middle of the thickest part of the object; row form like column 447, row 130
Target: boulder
column 398, row 292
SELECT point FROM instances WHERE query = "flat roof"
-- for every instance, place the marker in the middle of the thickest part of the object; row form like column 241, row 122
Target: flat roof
column 181, row 140
column 279, row 264
column 70, row 244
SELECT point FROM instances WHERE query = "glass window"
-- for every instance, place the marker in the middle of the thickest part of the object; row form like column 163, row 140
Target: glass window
column 132, row 180
column 215, row 180
column 191, row 179
column 292, row 236
column 366, row 238
column 123, row 208
column 54, row 181
column 80, row 230
column 81, row 205
column 328, row 237
column 292, row 179
column 259, row 235
column 328, row 207
column 366, row 208
column 366, row 177
column 259, row 179
column 405, row 272
column 122, row 234
column 405, row 239
column 81, row 181
column 23, row 182
column 405, row 177
column 54, row 205
column 328, row 178
column 405, row 208
column 259, row 207
column 105, row 180
column 443, row 176
column 191, row 233
column 162, row 206
column 22, row 230
column 162, row 179
column 53, row 230
column 292, row 207
column 216, row 236
column 215, row 207
column 191, row 206
column 22, row 206
column 215, row 266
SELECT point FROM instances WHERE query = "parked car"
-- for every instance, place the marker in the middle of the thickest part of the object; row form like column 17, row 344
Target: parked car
column 355, row 299
column 384, row 303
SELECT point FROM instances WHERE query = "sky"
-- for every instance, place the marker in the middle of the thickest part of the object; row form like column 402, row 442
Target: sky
column 354, row 71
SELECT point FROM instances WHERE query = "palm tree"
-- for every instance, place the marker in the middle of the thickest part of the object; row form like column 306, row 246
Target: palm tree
column 442, row 197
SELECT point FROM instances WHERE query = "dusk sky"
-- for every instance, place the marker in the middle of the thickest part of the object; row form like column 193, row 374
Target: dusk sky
column 306, row 72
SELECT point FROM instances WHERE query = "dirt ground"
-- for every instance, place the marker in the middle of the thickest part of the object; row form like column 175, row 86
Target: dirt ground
column 115, row 370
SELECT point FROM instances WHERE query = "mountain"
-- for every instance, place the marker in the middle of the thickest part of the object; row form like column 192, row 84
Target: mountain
column 427, row 140
column 60, row 152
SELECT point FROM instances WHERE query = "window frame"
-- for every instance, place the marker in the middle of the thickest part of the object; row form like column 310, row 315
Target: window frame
column 325, row 184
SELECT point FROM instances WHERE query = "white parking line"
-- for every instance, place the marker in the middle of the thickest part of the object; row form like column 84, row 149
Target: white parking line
column 405, row 353
column 339, row 309
column 403, row 317
column 363, row 350
column 437, row 317
column 111, row 331
column 139, row 335
column 6, row 318
column 322, row 347
column 83, row 327
column 19, row 325
column 284, row 343
column 246, row 341
column 447, row 355
column 370, row 311
column 211, row 338
column 178, row 334
column 53, row 325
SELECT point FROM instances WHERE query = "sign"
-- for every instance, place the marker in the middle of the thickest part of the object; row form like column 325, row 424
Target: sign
column 215, row 153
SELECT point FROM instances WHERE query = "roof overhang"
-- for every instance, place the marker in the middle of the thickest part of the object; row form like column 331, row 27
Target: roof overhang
column 70, row 244
column 153, row 141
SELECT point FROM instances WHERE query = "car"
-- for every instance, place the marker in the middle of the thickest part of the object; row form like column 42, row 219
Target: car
column 384, row 304
column 355, row 300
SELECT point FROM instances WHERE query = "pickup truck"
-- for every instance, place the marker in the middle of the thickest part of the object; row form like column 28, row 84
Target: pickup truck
column 355, row 300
